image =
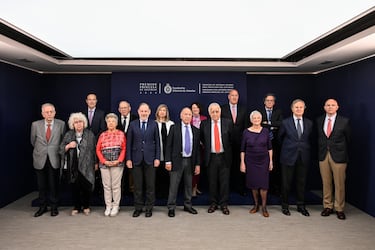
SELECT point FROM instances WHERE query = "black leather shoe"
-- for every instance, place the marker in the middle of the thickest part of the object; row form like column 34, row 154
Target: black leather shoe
column 285, row 211
column 148, row 213
column 41, row 211
column 54, row 211
column 171, row 213
column 303, row 211
column 190, row 210
column 225, row 210
column 326, row 212
column 340, row 215
column 212, row 209
column 137, row 213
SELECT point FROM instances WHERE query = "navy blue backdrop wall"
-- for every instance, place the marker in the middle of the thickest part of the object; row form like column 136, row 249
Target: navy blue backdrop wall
column 18, row 98
column 22, row 93
column 354, row 87
column 176, row 89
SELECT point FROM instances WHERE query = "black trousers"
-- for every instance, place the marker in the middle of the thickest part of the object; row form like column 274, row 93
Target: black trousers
column 144, row 179
column 48, row 179
column 218, row 180
column 81, row 192
column 299, row 172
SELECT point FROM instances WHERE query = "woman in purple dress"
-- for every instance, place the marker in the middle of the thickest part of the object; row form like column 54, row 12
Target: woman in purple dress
column 256, row 152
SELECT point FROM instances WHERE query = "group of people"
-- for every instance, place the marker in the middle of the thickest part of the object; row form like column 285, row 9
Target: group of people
column 258, row 152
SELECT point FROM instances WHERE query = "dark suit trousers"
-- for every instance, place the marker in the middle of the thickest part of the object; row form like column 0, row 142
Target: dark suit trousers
column 48, row 179
column 218, row 180
column 184, row 171
column 299, row 172
column 144, row 176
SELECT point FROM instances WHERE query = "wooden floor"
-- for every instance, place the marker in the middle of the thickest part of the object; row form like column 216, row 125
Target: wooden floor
column 240, row 230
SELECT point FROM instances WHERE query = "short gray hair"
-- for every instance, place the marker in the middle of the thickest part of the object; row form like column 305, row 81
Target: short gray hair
column 213, row 104
column 77, row 117
column 111, row 115
column 255, row 112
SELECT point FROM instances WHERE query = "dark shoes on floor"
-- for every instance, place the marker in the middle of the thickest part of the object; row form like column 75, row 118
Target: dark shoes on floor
column 303, row 211
column 285, row 211
column 212, row 209
column 340, row 215
column 41, row 211
column 190, row 210
column 326, row 212
column 148, row 213
column 137, row 213
column 171, row 213
column 265, row 212
column 225, row 210
column 54, row 211
column 254, row 209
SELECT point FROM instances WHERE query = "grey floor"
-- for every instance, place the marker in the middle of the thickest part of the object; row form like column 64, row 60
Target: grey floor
column 240, row 230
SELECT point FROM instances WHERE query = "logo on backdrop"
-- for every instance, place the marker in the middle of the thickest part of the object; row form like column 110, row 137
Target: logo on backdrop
column 155, row 88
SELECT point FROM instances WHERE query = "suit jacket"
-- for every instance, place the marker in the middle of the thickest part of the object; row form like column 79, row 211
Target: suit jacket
column 276, row 119
column 42, row 148
column 98, row 124
column 119, row 125
column 174, row 147
column 141, row 147
column 338, row 141
column 291, row 145
column 226, row 126
column 242, row 121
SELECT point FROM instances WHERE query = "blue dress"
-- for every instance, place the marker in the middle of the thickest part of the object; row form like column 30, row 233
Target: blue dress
column 255, row 146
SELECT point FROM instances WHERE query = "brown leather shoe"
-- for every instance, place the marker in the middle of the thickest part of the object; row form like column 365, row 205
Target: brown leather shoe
column 265, row 212
column 326, row 212
column 340, row 215
column 254, row 209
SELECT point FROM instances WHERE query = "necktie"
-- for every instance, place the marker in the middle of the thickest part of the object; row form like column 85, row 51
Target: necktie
column 234, row 113
column 329, row 127
column 143, row 127
column 299, row 128
column 216, row 137
column 187, row 140
column 269, row 115
column 124, row 124
column 90, row 116
column 164, row 136
column 48, row 132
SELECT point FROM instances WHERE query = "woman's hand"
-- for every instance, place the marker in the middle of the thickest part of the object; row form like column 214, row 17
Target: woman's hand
column 243, row 167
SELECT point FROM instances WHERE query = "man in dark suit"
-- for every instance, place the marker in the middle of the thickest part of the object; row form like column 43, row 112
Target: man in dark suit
column 46, row 136
column 236, row 113
column 294, row 134
column 182, row 159
column 271, row 119
column 142, row 156
column 333, row 140
column 95, row 116
column 97, row 124
column 216, row 136
column 125, row 117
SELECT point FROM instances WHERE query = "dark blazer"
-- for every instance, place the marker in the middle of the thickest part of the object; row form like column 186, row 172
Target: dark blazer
column 119, row 125
column 140, row 148
column 276, row 118
column 98, row 124
column 226, row 126
column 242, row 121
column 173, row 151
column 86, row 163
column 338, row 141
column 291, row 146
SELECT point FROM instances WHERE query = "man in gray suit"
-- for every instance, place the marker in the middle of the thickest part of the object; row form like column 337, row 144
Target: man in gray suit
column 46, row 135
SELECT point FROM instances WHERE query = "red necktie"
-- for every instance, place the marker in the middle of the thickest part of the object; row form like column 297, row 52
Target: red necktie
column 48, row 132
column 329, row 127
column 216, row 137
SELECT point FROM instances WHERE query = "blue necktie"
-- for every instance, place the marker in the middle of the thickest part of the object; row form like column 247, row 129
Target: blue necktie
column 187, row 140
column 143, row 127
